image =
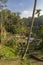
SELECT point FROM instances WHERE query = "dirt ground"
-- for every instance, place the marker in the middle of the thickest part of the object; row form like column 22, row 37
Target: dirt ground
column 18, row 62
column 10, row 63
column 35, row 62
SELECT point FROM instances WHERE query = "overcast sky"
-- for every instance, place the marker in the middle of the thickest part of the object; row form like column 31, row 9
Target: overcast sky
column 24, row 6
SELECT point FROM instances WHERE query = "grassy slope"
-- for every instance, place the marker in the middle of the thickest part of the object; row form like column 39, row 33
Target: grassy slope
column 7, row 52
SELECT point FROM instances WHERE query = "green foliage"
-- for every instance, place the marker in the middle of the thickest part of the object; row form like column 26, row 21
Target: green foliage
column 38, row 12
column 21, row 49
column 41, row 46
column 10, row 28
column 41, row 31
column 40, row 35
column 11, row 43
column 8, row 53
column 26, row 62
column 14, row 25
column 10, row 21
column 0, row 37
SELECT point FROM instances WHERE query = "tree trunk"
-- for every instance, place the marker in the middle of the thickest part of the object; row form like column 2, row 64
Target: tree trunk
column 30, row 28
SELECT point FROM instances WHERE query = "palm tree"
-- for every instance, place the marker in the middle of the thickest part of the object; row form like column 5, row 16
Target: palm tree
column 30, row 28
column 38, row 12
column 38, row 15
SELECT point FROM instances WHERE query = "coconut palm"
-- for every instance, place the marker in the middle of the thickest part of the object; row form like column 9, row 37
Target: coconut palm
column 35, row 1
column 38, row 12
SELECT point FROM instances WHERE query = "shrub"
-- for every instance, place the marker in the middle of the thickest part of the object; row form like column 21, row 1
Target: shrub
column 11, row 43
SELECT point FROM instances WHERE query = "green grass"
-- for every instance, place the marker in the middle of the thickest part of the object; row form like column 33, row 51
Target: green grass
column 24, row 62
column 8, row 53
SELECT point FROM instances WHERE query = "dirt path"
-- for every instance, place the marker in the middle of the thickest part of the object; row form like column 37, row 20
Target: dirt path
column 10, row 63
column 18, row 62
column 35, row 62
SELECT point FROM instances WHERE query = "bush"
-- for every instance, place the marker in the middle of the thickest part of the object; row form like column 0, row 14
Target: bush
column 10, row 28
column 11, row 43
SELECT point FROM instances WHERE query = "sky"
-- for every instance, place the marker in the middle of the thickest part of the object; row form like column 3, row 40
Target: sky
column 24, row 6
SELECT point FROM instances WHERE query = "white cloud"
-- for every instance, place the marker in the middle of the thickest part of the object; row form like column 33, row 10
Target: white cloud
column 41, row 13
column 28, row 13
